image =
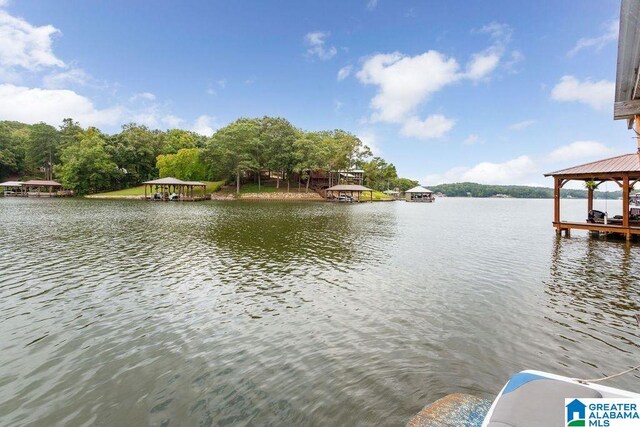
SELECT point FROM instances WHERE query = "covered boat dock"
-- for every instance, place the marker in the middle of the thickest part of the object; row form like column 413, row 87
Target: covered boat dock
column 348, row 193
column 170, row 188
column 419, row 194
column 623, row 170
column 44, row 188
column 12, row 189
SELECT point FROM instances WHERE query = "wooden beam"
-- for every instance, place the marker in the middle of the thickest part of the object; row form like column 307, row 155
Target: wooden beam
column 626, row 109
column 556, row 200
column 625, row 202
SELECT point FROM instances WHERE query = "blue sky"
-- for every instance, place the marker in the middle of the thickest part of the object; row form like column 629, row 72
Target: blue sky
column 485, row 91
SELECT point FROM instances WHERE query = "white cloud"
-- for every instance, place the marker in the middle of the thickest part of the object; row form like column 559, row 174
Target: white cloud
column 521, row 170
column 404, row 82
column 372, row 4
column 172, row 121
column 473, row 139
column 26, row 46
column 316, row 42
column 344, row 72
column 33, row 105
column 4, row 3
column 597, row 95
column 482, row 64
column 434, row 126
column 63, row 79
column 204, row 125
column 371, row 140
column 144, row 96
column 579, row 150
column 337, row 105
column 222, row 83
column 522, row 125
column 609, row 35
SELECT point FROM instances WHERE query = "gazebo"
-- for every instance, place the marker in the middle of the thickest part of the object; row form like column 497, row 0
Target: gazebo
column 419, row 194
column 623, row 170
column 170, row 188
column 12, row 188
column 348, row 193
column 41, row 188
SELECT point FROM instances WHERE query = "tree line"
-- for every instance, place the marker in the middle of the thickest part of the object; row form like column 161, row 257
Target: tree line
column 87, row 160
column 472, row 189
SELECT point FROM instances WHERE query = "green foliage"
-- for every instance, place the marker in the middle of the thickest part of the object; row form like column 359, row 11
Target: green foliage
column 186, row 164
column 86, row 166
column 403, row 184
column 232, row 149
column 135, row 150
column 379, row 175
column 176, row 139
column 41, row 151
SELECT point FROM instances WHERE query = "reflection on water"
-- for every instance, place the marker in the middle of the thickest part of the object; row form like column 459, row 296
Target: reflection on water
column 593, row 290
column 133, row 313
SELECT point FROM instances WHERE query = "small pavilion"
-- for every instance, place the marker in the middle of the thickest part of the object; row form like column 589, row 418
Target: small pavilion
column 419, row 194
column 12, row 189
column 43, row 188
column 348, row 193
column 170, row 188
column 623, row 170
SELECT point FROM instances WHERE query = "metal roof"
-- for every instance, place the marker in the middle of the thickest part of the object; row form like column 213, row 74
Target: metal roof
column 11, row 184
column 628, row 50
column 624, row 163
column 348, row 187
column 196, row 183
column 419, row 189
column 41, row 183
column 167, row 181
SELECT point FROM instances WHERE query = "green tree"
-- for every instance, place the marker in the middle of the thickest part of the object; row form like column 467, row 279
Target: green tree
column 186, row 164
column 70, row 133
column 135, row 150
column 278, row 136
column 41, row 151
column 230, row 149
column 86, row 166
column 309, row 154
column 176, row 139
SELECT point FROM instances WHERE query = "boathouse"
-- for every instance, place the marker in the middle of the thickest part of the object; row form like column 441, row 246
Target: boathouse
column 419, row 194
column 170, row 188
column 348, row 193
column 12, row 189
column 43, row 188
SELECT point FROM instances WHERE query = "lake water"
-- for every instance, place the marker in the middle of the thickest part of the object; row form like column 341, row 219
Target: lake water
column 267, row 313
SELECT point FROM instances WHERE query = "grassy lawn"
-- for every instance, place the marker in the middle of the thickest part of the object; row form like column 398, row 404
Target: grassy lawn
column 379, row 195
column 212, row 186
column 265, row 187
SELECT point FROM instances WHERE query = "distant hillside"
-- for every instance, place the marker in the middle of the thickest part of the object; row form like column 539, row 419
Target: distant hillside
column 471, row 189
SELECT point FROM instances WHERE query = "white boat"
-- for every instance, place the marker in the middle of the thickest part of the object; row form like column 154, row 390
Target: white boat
column 535, row 398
